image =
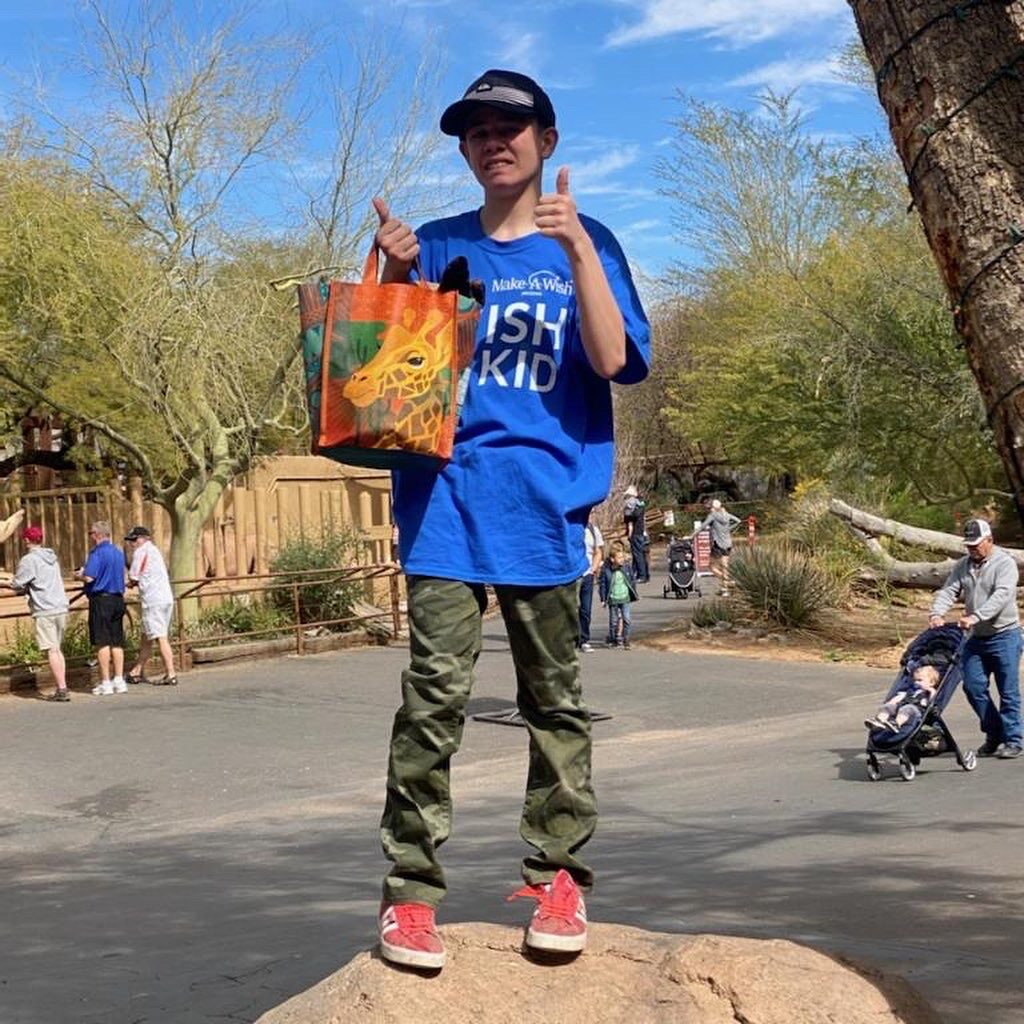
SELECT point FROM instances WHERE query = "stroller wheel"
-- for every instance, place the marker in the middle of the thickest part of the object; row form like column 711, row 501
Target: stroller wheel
column 874, row 771
column 969, row 761
column 907, row 768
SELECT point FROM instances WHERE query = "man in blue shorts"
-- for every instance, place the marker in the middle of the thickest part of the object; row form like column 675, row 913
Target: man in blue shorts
column 103, row 574
column 533, row 454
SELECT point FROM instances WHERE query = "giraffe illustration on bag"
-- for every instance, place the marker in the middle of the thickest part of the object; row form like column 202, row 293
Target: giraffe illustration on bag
column 412, row 373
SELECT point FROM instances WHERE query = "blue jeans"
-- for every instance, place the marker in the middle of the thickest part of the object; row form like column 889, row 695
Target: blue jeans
column 999, row 656
column 586, row 605
column 619, row 613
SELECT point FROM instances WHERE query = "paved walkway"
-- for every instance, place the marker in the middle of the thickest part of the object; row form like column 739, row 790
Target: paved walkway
column 177, row 856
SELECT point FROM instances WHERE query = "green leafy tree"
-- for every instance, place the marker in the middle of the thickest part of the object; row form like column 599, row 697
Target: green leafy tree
column 817, row 341
column 140, row 304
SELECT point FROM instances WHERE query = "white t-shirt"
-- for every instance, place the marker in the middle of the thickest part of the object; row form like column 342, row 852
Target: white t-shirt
column 593, row 540
column 150, row 572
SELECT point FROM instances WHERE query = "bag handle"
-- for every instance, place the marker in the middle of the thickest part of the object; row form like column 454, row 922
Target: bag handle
column 371, row 268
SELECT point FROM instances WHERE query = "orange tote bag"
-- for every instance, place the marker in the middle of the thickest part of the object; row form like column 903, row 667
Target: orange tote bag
column 382, row 368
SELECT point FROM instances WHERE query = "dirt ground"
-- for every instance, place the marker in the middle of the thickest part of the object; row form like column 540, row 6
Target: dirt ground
column 868, row 633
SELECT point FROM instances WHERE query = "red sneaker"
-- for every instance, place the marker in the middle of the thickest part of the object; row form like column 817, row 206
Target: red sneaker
column 408, row 935
column 559, row 924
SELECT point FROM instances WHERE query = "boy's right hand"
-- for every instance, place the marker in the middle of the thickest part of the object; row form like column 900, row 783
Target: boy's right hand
column 397, row 241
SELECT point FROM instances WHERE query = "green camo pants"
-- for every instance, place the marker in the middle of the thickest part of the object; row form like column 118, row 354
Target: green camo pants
column 559, row 812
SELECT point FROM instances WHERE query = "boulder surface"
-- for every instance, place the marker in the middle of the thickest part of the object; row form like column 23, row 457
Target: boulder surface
column 625, row 975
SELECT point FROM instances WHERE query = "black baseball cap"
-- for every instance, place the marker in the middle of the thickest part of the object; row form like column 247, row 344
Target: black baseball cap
column 136, row 532
column 503, row 90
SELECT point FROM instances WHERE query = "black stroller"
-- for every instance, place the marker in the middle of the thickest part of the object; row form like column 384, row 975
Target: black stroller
column 925, row 735
column 682, row 569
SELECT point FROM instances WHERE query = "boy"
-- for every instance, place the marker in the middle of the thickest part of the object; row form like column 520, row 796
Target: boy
column 39, row 578
column 618, row 591
column 533, row 454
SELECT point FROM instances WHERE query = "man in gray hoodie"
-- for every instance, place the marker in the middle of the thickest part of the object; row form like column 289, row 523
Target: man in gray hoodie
column 986, row 581
column 39, row 578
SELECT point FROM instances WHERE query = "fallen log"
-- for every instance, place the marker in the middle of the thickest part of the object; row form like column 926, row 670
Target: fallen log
column 948, row 543
column 897, row 573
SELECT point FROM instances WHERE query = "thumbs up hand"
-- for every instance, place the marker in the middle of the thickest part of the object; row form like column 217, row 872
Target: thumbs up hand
column 555, row 214
column 397, row 241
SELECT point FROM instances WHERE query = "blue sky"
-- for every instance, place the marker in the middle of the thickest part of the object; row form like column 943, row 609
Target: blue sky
column 611, row 68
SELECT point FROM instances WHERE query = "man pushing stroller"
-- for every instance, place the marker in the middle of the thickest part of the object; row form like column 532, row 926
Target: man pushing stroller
column 986, row 581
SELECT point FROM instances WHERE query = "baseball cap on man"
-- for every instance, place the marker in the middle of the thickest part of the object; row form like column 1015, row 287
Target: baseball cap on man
column 975, row 531
column 136, row 532
column 32, row 535
column 503, row 90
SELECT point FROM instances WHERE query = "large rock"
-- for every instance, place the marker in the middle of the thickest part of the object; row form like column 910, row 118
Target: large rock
column 626, row 976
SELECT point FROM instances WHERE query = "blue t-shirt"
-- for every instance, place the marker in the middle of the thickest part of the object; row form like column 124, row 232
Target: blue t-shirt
column 105, row 566
column 534, row 447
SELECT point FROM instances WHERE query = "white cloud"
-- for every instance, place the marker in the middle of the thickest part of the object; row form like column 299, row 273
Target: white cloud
column 521, row 50
column 606, row 164
column 736, row 21
column 600, row 176
column 783, row 76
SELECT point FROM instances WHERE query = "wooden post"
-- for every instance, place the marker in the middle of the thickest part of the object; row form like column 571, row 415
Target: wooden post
column 337, row 512
column 135, row 498
column 283, row 524
column 305, row 511
column 299, row 645
column 259, row 501
column 366, row 518
column 346, row 508
column 238, row 500
column 220, row 567
column 396, row 611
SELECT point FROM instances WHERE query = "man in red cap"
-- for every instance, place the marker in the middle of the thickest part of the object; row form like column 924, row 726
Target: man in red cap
column 39, row 578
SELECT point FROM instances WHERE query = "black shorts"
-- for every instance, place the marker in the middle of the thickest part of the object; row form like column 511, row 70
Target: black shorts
column 717, row 552
column 106, row 620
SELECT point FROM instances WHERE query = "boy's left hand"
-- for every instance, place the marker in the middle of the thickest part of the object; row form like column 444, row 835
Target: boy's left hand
column 555, row 214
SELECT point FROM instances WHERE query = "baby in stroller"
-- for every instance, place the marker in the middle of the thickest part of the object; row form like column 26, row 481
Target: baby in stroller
column 909, row 724
column 909, row 704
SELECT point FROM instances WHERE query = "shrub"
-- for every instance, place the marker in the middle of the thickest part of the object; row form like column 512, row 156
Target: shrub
column 782, row 584
column 21, row 648
column 240, row 617
column 709, row 613
column 321, row 598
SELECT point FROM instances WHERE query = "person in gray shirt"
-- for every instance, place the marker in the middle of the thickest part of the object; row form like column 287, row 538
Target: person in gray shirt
column 720, row 523
column 39, row 578
column 986, row 581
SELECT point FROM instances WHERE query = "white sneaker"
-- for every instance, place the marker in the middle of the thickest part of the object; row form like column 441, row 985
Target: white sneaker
column 119, row 685
column 586, row 647
column 104, row 689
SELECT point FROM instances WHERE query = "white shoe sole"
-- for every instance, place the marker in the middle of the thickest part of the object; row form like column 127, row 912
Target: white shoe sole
column 412, row 957
column 555, row 943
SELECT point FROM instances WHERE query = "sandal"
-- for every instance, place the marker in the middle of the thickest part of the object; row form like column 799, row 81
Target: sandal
column 166, row 681
column 135, row 679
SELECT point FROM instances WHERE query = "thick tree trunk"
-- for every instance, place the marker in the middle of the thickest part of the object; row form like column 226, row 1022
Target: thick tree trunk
column 949, row 78
column 189, row 513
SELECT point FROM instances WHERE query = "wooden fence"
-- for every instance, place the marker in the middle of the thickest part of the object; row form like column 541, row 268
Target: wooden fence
column 259, row 514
